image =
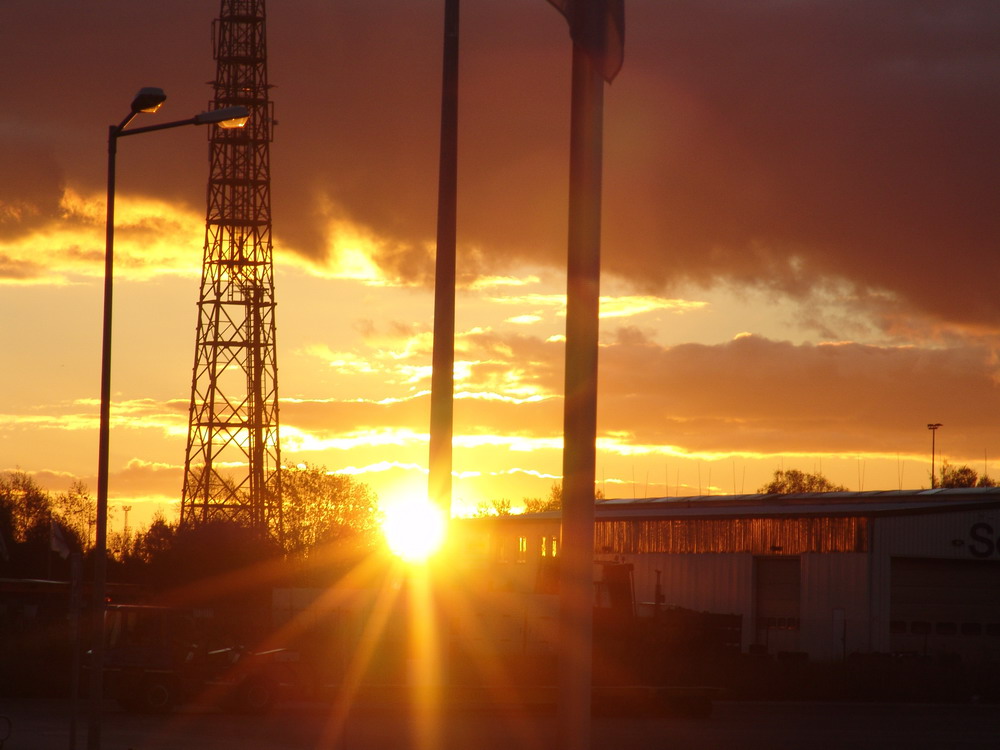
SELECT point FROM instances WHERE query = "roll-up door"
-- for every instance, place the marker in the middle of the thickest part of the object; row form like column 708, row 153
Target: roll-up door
column 945, row 606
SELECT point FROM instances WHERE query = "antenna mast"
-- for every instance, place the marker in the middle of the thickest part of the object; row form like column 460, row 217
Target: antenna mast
column 233, row 461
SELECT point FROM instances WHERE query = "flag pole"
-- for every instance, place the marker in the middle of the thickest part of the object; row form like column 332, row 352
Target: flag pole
column 439, row 482
column 580, row 408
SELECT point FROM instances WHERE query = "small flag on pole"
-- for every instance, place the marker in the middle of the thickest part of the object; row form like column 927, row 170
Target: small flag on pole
column 599, row 27
column 59, row 539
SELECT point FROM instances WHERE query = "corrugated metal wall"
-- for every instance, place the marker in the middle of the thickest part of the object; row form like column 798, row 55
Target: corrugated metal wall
column 949, row 535
column 960, row 535
column 834, row 596
column 835, row 605
column 707, row 564
column 720, row 583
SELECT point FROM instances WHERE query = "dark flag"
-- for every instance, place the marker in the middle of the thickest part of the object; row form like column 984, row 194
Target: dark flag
column 59, row 539
column 599, row 27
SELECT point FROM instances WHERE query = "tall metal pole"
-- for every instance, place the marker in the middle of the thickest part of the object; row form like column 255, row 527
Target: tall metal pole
column 933, row 427
column 439, row 482
column 580, row 409
column 101, row 548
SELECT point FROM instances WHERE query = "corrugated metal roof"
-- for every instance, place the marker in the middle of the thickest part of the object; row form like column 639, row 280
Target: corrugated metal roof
column 873, row 503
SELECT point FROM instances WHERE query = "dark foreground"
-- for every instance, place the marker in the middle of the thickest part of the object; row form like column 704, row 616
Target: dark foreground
column 44, row 725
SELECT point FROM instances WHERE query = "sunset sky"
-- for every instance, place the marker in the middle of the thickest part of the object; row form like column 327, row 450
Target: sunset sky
column 800, row 247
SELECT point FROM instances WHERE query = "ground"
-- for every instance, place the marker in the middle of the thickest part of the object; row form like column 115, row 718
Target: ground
column 44, row 725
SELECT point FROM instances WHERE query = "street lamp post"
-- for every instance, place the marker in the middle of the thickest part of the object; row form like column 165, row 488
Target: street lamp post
column 148, row 100
column 933, row 428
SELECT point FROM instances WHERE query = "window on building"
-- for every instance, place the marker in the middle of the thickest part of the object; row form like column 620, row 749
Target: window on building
column 522, row 549
column 548, row 546
column 501, row 550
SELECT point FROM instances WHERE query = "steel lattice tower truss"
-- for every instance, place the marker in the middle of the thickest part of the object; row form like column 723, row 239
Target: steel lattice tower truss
column 232, row 467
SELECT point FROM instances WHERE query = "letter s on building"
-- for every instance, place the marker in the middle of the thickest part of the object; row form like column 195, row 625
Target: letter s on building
column 982, row 544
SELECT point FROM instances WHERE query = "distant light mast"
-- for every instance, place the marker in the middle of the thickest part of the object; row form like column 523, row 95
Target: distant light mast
column 933, row 427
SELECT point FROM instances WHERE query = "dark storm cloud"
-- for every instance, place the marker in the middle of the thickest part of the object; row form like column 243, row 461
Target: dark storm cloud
column 779, row 144
column 31, row 187
column 804, row 141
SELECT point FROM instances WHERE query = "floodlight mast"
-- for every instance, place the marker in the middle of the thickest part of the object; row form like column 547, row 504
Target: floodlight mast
column 933, row 427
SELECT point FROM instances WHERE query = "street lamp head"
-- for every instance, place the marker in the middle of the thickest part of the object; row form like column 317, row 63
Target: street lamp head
column 226, row 117
column 149, row 99
column 934, row 426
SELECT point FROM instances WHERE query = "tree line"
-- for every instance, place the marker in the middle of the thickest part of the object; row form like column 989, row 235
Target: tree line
column 783, row 482
column 322, row 510
column 39, row 529
column 790, row 481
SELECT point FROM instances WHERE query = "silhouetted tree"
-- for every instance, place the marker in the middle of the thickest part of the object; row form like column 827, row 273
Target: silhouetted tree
column 553, row 501
column 322, row 507
column 790, row 481
column 541, row 505
column 493, row 508
column 216, row 547
column 963, row 476
column 77, row 510
column 154, row 540
column 26, row 517
column 24, row 505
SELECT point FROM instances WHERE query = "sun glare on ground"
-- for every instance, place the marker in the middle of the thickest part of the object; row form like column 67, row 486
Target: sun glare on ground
column 414, row 529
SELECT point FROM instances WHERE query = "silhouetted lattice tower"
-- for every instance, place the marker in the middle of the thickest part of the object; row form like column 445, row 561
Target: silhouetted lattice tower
column 232, row 467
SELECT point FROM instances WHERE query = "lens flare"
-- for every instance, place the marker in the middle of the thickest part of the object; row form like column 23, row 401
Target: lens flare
column 414, row 529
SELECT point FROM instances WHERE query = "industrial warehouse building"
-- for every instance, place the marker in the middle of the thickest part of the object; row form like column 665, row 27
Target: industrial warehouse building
column 819, row 575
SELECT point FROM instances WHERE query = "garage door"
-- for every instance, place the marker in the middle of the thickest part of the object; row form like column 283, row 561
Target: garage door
column 945, row 606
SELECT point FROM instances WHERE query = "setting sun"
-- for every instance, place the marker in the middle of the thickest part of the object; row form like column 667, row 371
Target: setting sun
column 414, row 529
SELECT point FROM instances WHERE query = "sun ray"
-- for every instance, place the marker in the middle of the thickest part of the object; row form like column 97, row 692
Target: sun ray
column 512, row 668
column 353, row 680
column 424, row 658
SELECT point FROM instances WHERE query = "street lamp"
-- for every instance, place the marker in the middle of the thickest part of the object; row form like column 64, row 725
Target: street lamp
column 933, row 428
column 148, row 100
